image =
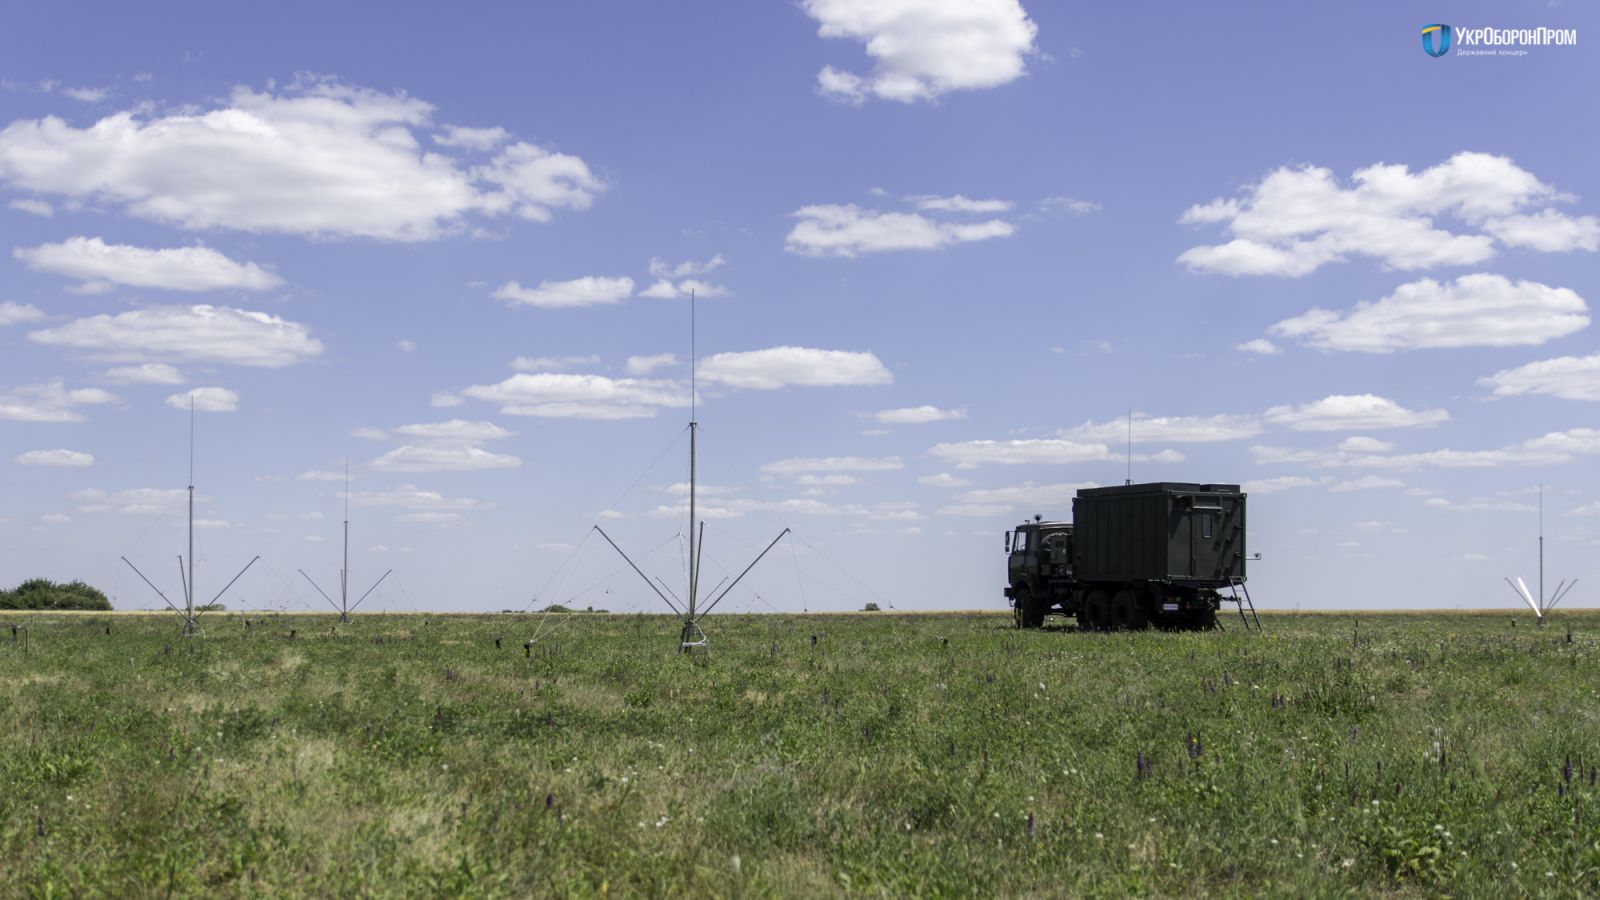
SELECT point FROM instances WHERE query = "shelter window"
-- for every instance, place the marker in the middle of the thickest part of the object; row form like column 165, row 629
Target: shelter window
column 1205, row 525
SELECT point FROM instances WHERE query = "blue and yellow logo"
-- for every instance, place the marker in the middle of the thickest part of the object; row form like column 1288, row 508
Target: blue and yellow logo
column 1436, row 40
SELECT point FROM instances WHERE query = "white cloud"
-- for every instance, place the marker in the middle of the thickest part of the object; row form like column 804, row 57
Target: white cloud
column 368, row 433
column 405, row 346
column 427, row 518
column 1551, row 449
column 203, row 334
column 33, row 207
column 552, row 363
column 1479, row 504
column 318, row 159
column 664, row 289
column 55, row 519
column 1069, row 204
column 99, row 265
column 409, row 496
column 971, row 454
column 921, row 50
column 1364, row 444
column 320, row 475
column 13, row 313
column 1473, row 311
column 959, row 204
column 1260, row 346
column 943, row 479
column 87, row 94
column 1168, row 429
column 660, row 268
column 825, row 464
column 918, row 415
column 443, row 457
column 51, row 402
column 60, row 458
column 145, row 373
column 134, row 502
column 445, row 399
column 644, row 365
column 559, row 395
column 779, row 367
column 1274, row 485
column 1366, row 483
column 1040, row 498
column 1296, row 220
column 455, row 430
column 1359, row 412
column 1567, row 377
column 848, row 230
column 206, row 399
column 589, row 290
column 472, row 138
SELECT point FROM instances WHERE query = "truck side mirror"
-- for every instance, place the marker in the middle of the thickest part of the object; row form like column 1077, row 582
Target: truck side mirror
column 1008, row 542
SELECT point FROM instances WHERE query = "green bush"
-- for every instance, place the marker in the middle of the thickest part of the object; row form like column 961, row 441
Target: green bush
column 871, row 607
column 42, row 593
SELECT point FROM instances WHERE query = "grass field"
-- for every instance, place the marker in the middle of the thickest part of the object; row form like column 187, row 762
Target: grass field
column 880, row 755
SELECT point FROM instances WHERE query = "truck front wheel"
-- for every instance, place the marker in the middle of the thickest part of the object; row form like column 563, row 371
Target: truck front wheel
column 1027, row 613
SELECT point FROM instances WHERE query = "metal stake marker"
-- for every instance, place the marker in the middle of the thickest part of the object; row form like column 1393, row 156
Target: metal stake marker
column 692, row 637
column 191, row 623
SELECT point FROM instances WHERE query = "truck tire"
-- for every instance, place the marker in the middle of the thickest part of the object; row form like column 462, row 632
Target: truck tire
column 1128, row 613
column 1201, row 619
column 1028, row 614
column 1096, row 615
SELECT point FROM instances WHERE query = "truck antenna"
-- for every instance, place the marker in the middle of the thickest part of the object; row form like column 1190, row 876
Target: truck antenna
column 1130, row 446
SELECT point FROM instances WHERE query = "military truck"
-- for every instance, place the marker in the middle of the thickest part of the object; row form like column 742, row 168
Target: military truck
column 1132, row 556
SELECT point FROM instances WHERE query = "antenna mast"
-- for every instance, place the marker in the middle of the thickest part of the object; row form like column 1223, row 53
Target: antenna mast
column 191, row 626
column 1130, row 446
column 1563, row 588
column 344, row 608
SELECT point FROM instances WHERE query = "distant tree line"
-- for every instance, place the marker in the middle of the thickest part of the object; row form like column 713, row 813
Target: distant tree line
column 42, row 593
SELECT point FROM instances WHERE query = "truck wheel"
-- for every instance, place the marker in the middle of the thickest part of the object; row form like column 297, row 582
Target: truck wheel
column 1096, row 611
column 1027, row 613
column 1201, row 619
column 1128, row 613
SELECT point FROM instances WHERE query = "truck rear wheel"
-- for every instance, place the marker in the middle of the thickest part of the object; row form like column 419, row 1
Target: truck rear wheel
column 1028, row 614
column 1128, row 613
column 1096, row 614
column 1201, row 619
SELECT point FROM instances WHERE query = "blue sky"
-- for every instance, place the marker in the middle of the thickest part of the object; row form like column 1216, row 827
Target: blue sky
column 941, row 249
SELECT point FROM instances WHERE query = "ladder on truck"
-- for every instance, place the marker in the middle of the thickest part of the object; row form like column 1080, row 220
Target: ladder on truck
column 1240, row 595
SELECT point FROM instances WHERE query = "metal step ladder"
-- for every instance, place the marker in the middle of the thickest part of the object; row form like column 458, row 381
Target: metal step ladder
column 1240, row 595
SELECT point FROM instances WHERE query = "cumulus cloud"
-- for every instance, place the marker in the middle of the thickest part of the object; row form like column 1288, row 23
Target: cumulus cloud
column 448, row 456
column 1357, row 412
column 52, row 402
column 99, row 265
column 1259, row 346
column 454, row 430
column 1366, row 483
column 71, row 459
column 1567, row 377
column 943, row 479
column 552, row 363
column 472, row 138
column 1028, row 497
column 1297, row 220
column 368, row 433
column 1551, row 449
column 589, row 290
column 13, row 313
column 1473, row 311
column 134, row 502
column 848, row 230
column 660, row 268
column 145, row 373
column 664, row 289
column 823, row 464
column 971, row 454
column 1168, row 429
column 33, row 207
column 1069, row 204
column 318, row 159
column 201, row 334
column 779, row 367
column 644, row 365
column 408, row 496
column 921, row 50
column 959, row 203
column 561, row 395
column 918, row 415
column 206, row 399
column 1274, row 485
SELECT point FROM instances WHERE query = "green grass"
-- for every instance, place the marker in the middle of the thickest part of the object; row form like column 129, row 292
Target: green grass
column 407, row 755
